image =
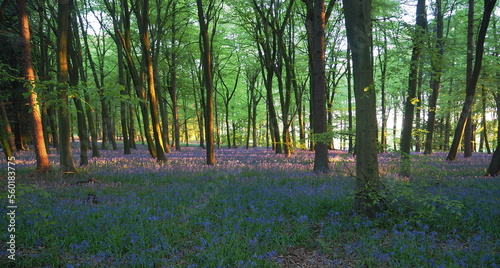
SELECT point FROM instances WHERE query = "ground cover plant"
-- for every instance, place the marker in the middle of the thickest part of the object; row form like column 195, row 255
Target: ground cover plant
column 253, row 209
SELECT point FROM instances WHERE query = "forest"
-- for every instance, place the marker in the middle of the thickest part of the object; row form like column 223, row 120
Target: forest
column 250, row 133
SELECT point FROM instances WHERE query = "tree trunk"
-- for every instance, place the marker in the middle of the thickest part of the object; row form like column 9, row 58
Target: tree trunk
column 435, row 83
column 42, row 159
column 6, row 146
column 153, row 101
column 66, row 158
column 467, row 140
column 75, row 67
column 315, row 25
column 136, row 78
column 206, row 59
column 406, row 134
column 494, row 166
column 349, row 100
column 484, row 133
column 471, row 86
column 359, row 30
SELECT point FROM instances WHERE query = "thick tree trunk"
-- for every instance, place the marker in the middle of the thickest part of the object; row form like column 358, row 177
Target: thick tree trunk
column 359, row 30
column 66, row 159
column 494, row 166
column 315, row 25
column 471, row 86
column 42, row 159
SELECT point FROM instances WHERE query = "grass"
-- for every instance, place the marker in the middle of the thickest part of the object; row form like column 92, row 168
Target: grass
column 254, row 209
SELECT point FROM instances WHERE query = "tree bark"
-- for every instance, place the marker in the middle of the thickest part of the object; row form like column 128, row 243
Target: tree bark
column 435, row 83
column 471, row 86
column 411, row 99
column 358, row 22
column 494, row 166
column 66, row 158
column 315, row 25
column 153, row 101
column 75, row 66
column 468, row 137
column 42, row 159
column 206, row 59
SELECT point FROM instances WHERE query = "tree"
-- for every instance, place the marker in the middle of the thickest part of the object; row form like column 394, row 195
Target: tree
column 42, row 159
column 358, row 23
column 435, row 83
column 411, row 99
column 470, row 91
column 315, row 25
column 211, row 14
column 143, row 19
column 63, row 15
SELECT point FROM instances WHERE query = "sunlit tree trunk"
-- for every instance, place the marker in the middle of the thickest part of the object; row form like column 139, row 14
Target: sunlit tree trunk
column 42, row 159
column 358, row 22
column 153, row 101
column 66, row 159
column 470, row 92
column 124, row 39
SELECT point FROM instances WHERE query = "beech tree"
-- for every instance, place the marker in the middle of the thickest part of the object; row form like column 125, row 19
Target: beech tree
column 411, row 99
column 315, row 25
column 65, row 153
column 358, row 21
column 42, row 159
column 470, row 91
column 207, row 15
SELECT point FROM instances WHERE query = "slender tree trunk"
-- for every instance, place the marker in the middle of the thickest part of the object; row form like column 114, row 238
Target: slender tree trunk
column 7, row 128
column 137, row 80
column 484, row 133
column 6, row 146
column 66, row 158
column 206, row 59
column 359, row 30
column 124, row 93
column 411, row 100
column 153, row 101
column 349, row 101
column 435, row 83
column 75, row 67
column 468, row 138
column 471, row 86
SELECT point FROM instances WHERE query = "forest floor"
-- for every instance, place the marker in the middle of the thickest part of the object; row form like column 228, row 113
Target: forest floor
column 253, row 209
